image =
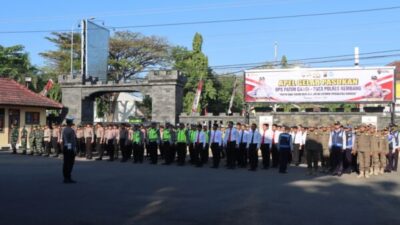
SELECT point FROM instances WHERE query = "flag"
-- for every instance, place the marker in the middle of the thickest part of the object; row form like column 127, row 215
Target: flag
column 47, row 87
column 196, row 99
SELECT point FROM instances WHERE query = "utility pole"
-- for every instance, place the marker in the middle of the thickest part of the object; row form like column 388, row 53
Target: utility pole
column 232, row 97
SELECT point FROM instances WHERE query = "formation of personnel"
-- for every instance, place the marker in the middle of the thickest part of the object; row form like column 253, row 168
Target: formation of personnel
column 334, row 149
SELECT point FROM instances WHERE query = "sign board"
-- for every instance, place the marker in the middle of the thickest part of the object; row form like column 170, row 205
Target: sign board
column 321, row 85
column 96, row 39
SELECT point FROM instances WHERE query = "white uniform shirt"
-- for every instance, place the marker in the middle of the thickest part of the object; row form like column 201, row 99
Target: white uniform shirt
column 200, row 137
column 298, row 138
column 266, row 137
column 275, row 136
column 253, row 138
column 216, row 137
column 242, row 136
column 234, row 135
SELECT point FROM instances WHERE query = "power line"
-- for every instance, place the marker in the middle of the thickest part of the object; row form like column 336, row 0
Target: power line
column 223, row 20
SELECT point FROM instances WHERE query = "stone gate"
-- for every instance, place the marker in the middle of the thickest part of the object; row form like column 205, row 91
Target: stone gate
column 164, row 87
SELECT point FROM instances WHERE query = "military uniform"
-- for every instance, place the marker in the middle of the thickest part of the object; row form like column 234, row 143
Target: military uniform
column 47, row 140
column 14, row 139
column 313, row 147
column 32, row 146
column 24, row 140
column 363, row 148
column 375, row 146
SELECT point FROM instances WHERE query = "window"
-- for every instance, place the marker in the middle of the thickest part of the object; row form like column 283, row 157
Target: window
column 2, row 119
column 32, row 118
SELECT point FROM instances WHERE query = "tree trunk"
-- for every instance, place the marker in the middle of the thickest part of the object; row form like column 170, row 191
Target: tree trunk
column 112, row 114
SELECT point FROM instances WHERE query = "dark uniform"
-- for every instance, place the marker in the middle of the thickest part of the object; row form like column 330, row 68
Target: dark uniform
column 69, row 149
column 313, row 148
column 362, row 146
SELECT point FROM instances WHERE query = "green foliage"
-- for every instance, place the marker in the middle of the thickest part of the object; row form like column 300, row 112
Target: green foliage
column 224, row 87
column 145, row 106
column 132, row 52
column 59, row 60
column 194, row 65
column 15, row 64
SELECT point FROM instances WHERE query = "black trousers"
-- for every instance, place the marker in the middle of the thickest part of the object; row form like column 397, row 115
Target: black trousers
column 191, row 153
column 47, row 147
column 205, row 154
column 138, row 153
column 56, row 145
column 181, row 150
column 296, row 156
column 265, row 152
column 69, row 159
column 80, row 144
column 198, row 148
column 172, row 150
column 337, row 159
column 284, row 154
column 312, row 158
column 242, row 155
column 110, row 149
column 347, row 161
column 88, row 142
column 253, row 156
column 392, row 160
column 275, row 156
column 231, row 154
column 216, row 153
column 166, row 150
column 123, row 148
column 153, row 152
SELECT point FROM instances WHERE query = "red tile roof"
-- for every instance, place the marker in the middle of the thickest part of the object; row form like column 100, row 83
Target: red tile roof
column 16, row 94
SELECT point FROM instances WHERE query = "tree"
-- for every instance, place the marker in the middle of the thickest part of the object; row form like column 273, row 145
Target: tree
column 59, row 60
column 15, row 63
column 194, row 65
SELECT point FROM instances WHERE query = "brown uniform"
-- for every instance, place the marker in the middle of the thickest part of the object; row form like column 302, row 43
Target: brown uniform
column 324, row 140
column 313, row 147
column 383, row 149
column 363, row 148
column 375, row 146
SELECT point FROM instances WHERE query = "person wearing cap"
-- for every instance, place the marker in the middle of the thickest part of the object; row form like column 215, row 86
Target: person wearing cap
column 106, row 136
column 313, row 148
column 337, row 144
column 99, row 139
column 192, row 138
column 274, row 145
column 216, row 145
column 375, row 139
column 394, row 145
column 182, row 141
column 55, row 139
column 153, row 140
column 230, row 144
column 298, row 141
column 39, row 140
column 362, row 146
column 205, row 153
column 347, row 156
column 24, row 139
column 14, row 138
column 123, row 136
column 80, row 141
column 242, row 152
column 199, row 145
column 69, row 141
column 128, row 142
column 138, row 145
column 285, row 147
column 253, row 144
column 89, row 140
column 325, row 154
column 166, row 143
column 47, row 140
column 383, row 150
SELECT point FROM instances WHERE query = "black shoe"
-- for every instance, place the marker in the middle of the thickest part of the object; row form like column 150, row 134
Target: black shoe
column 99, row 159
column 282, row 171
column 110, row 160
column 13, row 152
column 252, row 169
column 69, row 181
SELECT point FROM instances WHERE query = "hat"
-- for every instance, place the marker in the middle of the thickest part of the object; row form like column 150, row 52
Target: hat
column 337, row 123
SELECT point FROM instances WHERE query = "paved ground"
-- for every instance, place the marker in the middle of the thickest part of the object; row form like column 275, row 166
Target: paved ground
column 31, row 192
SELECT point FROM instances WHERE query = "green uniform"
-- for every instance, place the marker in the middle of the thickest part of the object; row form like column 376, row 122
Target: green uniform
column 14, row 139
column 24, row 139
column 32, row 141
column 39, row 140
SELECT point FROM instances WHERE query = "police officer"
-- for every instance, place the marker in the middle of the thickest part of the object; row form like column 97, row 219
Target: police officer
column 253, row 144
column 313, row 148
column 325, row 157
column 99, row 139
column 153, row 140
column 55, row 139
column 199, row 144
column 14, row 138
column 24, row 140
column 182, row 140
column 39, row 140
column 230, row 144
column 192, row 138
column 216, row 145
column 375, row 140
column 205, row 153
column 89, row 140
column 69, row 141
column 347, row 156
column 123, row 136
column 138, row 145
column 242, row 152
column 80, row 141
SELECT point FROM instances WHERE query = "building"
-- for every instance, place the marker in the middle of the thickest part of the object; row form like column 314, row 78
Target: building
column 126, row 108
column 22, row 107
column 397, row 78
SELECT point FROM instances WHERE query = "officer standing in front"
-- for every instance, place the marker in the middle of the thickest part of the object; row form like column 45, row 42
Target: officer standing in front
column 337, row 144
column 182, row 140
column 216, row 145
column 69, row 143
column 285, row 148
column 253, row 144
column 153, row 140
column 313, row 148
column 362, row 147
column 230, row 144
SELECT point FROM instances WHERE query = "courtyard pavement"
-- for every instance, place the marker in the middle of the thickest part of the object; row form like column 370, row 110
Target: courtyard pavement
column 114, row 193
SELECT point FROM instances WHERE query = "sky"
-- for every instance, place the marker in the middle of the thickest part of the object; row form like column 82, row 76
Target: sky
column 224, row 43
